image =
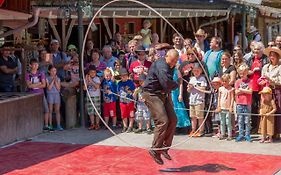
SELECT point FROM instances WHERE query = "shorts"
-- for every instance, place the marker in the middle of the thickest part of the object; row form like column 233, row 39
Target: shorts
column 45, row 104
column 127, row 109
column 197, row 111
column 143, row 115
column 109, row 109
column 53, row 98
column 90, row 108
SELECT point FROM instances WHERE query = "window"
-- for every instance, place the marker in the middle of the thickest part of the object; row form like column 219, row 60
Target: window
column 131, row 28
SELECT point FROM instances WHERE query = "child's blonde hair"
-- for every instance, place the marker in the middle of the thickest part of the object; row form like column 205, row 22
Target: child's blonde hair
column 225, row 78
column 242, row 68
column 147, row 21
column 107, row 71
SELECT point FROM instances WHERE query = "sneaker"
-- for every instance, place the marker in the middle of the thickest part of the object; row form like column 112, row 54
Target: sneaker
column 97, row 127
column 198, row 134
column 191, row 134
column 138, row 131
column 51, row 129
column 248, row 138
column 239, row 138
column 229, row 138
column 114, row 127
column 59, row 128
column 129, row 130
column 45, row 128
column 92, row 127
column 124, row 129
column 148, row 131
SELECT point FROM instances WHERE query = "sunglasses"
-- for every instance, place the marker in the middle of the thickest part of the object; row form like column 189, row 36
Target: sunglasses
column 190, row 54
column 141, row 54
column 199, row 36
column 271, row 45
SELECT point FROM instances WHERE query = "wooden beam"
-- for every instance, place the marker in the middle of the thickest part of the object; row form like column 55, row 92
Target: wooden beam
column 69, row 30
column 192, row 24
column 57, row 36
column 164, row 31
column 63, row 33
column 105, row 21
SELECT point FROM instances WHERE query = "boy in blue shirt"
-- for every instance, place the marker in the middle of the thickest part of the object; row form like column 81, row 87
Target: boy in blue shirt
column 109, row 97
column 125, row 89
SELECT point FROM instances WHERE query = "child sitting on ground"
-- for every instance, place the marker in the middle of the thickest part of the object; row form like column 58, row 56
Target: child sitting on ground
column 146, row 34
column 142, row 113
column 267, row 108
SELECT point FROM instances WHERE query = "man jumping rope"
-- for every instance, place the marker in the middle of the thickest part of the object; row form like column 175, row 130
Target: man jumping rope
column 157, row 88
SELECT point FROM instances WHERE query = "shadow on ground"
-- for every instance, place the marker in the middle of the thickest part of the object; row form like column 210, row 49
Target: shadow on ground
column 210, row 168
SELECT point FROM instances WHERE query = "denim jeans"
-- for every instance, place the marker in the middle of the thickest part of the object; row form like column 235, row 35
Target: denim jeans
column 244, row 120
column 225, row 119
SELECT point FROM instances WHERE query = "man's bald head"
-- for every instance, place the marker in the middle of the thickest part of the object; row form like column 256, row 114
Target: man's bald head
column 172, row 57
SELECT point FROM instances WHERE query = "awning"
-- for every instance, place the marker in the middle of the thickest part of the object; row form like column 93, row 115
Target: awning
column 166, row 12
column 264, row 10
column 13, row 15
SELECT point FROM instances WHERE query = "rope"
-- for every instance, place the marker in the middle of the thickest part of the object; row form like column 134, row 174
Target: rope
column 88, row 94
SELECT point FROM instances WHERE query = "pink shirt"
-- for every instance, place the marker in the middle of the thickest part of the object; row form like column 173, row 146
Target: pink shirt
column 137, row 68
column 225, row 97
column 243, row 98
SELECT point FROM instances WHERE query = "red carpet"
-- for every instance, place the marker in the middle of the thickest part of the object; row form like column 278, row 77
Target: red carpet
column 54, row 158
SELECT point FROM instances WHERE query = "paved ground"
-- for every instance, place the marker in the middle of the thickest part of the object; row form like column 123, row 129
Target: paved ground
column 104, row 137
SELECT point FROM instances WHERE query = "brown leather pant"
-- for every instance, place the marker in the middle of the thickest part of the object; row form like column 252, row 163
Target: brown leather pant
column 164, row 117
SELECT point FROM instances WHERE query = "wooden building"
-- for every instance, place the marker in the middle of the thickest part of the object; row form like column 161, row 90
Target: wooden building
column 58, row 19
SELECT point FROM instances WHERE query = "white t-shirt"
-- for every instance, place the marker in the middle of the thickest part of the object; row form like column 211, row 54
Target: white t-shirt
column 196, row 97
column 92, row 90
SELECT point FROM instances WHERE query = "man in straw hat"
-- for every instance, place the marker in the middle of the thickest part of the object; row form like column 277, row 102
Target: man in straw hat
column 200, row 43
column 157, row 88
column 254, row 35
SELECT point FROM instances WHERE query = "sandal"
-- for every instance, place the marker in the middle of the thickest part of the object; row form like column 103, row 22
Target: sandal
column 262, row 140
column 268, row 141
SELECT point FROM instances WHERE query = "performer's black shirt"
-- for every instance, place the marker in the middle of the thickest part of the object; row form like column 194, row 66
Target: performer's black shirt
column 160, row 78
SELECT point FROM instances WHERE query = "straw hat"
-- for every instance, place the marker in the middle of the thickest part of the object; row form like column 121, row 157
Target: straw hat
column 200, row 32
column 272, row 49
column 253, row 29
column 216, row 80
column 266, row 90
